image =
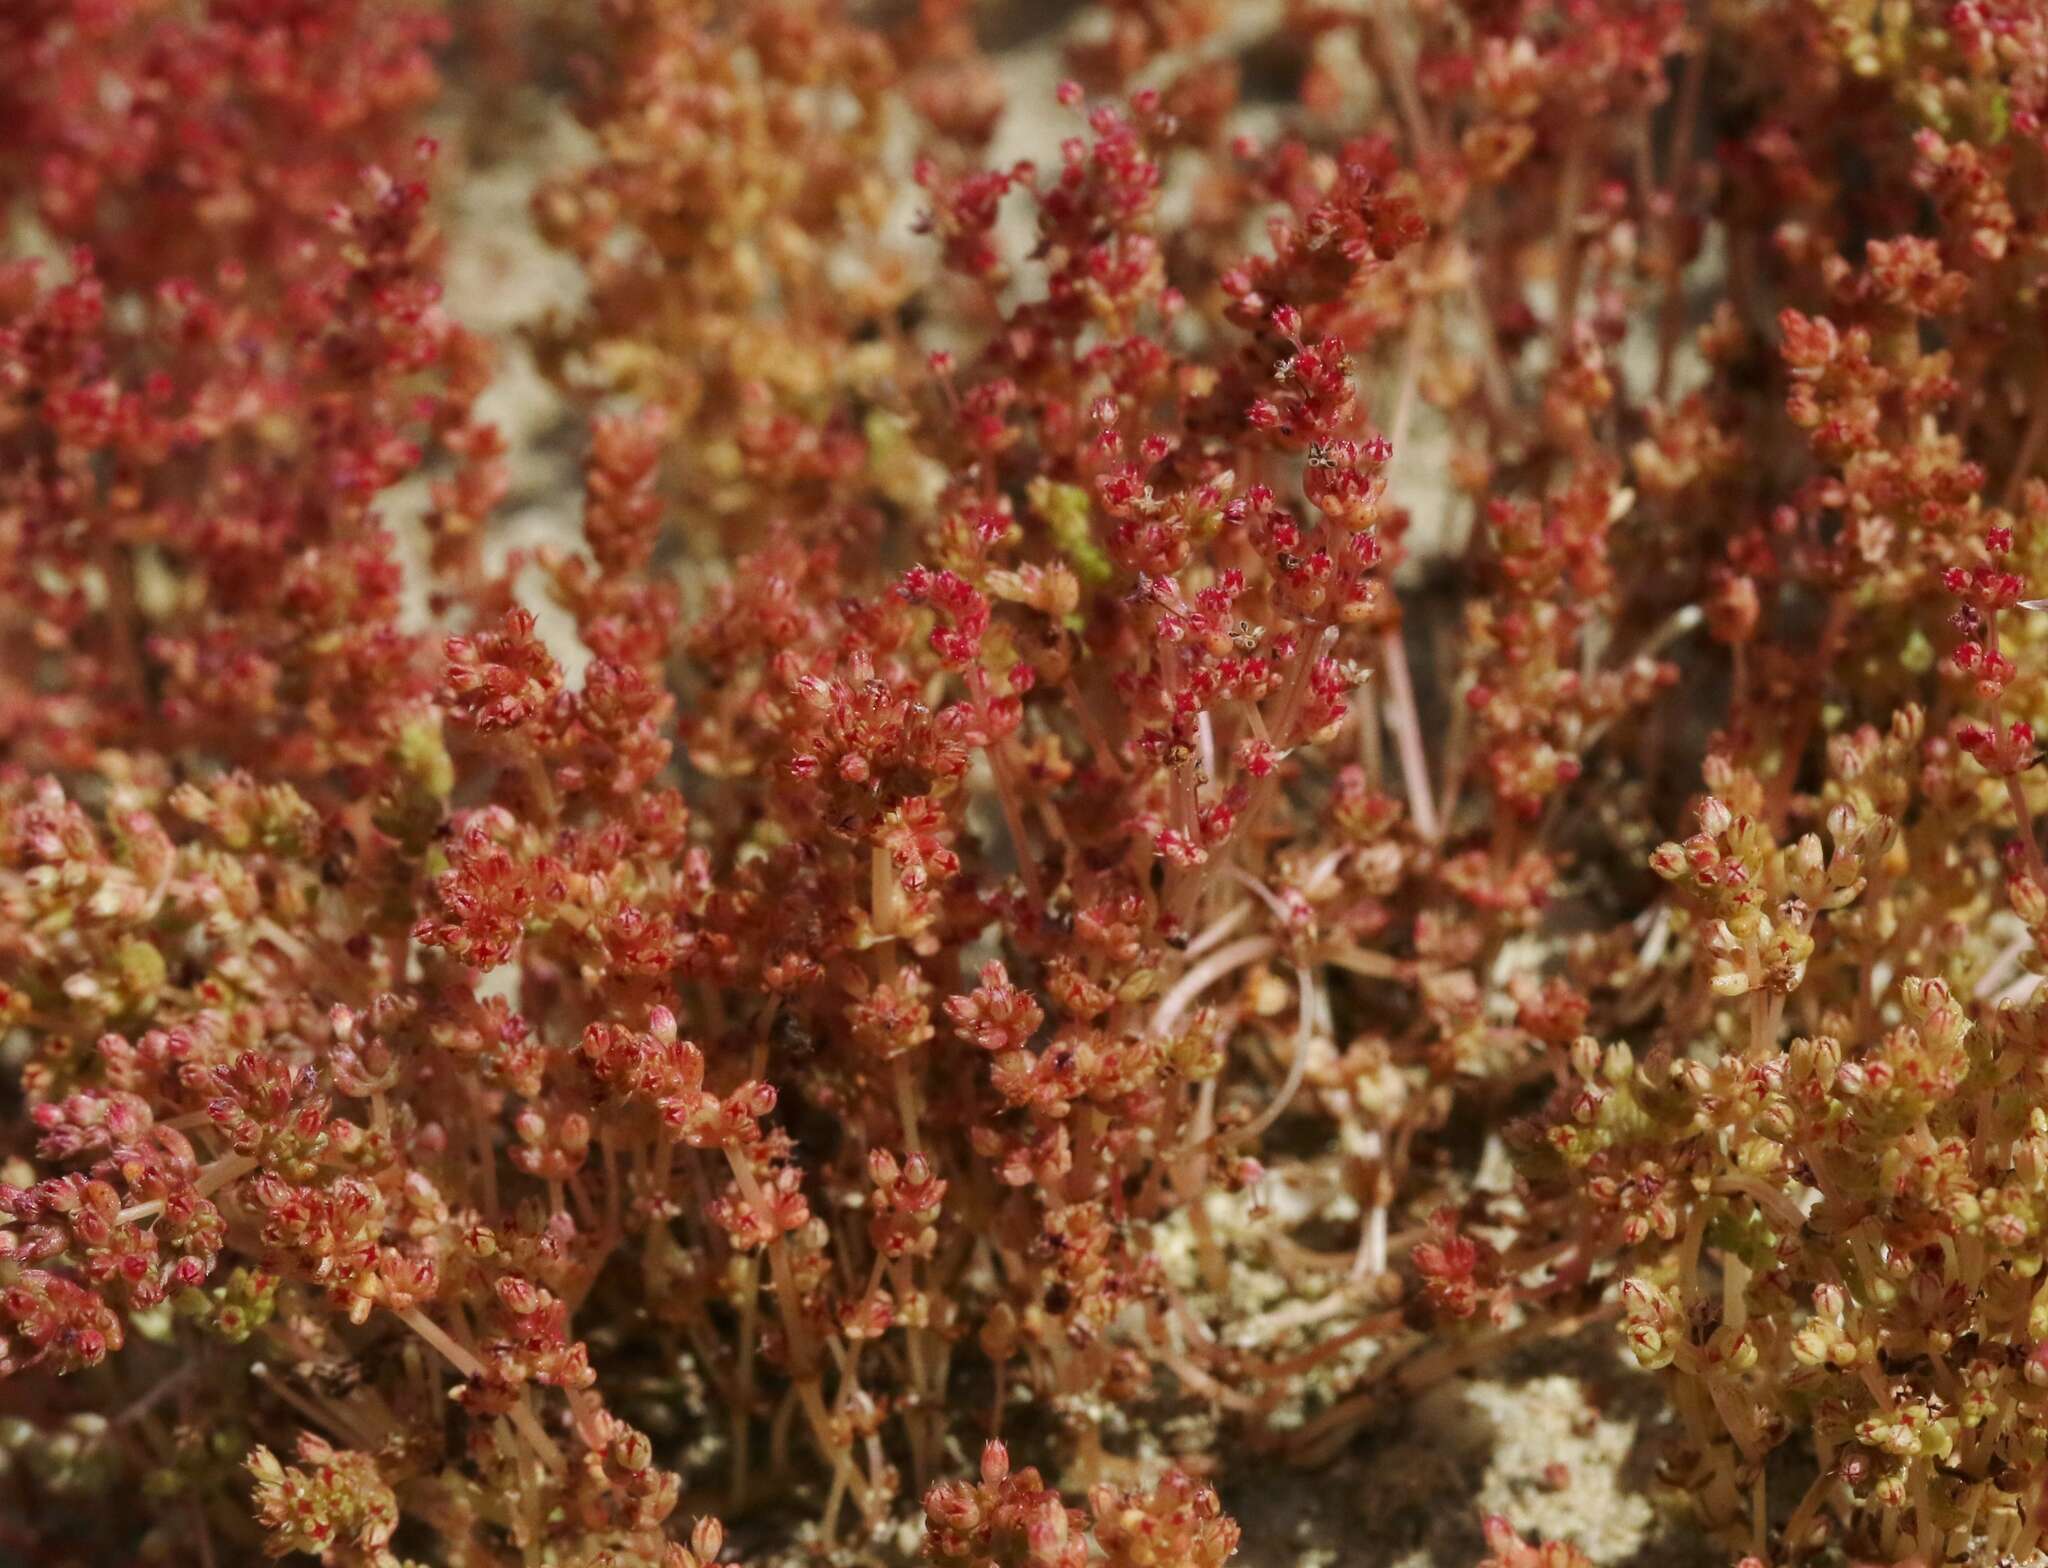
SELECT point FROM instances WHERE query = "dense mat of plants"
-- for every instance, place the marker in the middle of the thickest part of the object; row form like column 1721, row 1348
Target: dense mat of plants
column 1382, row 713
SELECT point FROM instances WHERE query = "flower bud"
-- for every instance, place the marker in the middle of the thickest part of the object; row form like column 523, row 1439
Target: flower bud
column 2038, row 1364
column 953, row 1506
column 1650, row 1325
column 2037, row 1314
column 707, row 1539
column 1808, row 858
column 995, row 1464
column 2028, row 900
column 1691, row 1077
column 1733, row 1349
column 1843, row 822
column 1811, row 1344
column 1758, row 1156
column 632, row 1452
column 1586, row 1057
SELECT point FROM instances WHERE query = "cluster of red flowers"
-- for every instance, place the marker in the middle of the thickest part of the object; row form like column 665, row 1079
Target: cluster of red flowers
column 1093, row 814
